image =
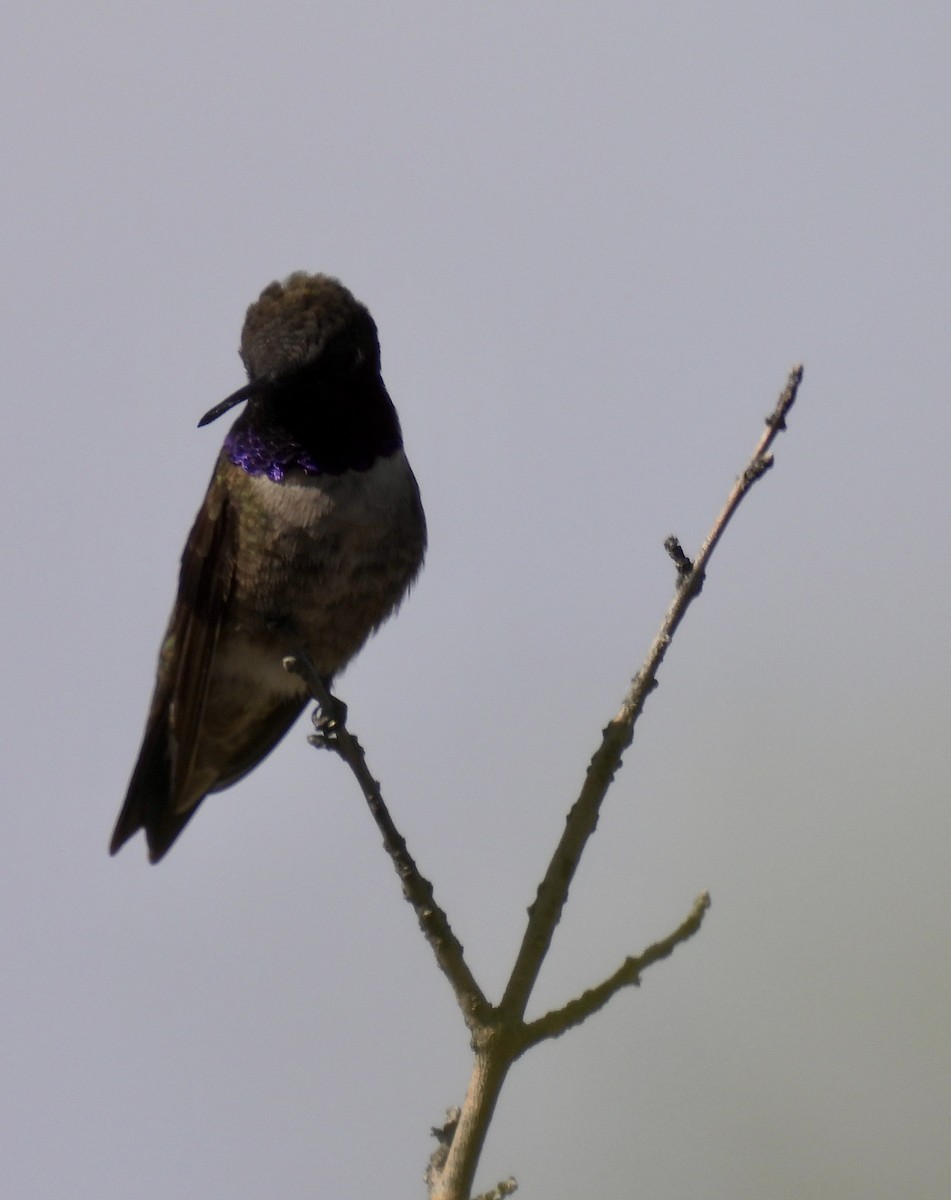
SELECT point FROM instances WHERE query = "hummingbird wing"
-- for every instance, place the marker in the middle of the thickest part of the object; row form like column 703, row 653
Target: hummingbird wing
column 158, row 798
column 205, row 587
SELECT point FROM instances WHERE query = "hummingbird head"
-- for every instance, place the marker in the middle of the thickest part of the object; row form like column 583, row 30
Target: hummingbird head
column 308, row 322
column 306, row 319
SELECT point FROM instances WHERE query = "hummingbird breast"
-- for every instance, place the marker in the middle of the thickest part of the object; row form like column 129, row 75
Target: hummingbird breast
column 321, row 562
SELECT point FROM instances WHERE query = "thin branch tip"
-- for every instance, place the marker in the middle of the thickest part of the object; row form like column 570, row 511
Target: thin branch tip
column 558, row 1021
column 777, row 418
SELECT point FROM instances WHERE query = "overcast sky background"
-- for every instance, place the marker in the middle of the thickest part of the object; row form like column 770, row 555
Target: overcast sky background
column 594, row 239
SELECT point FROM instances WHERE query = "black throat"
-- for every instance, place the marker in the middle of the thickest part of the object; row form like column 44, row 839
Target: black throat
column 319, row 421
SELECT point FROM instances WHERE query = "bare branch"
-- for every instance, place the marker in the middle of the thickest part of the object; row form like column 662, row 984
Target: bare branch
column 334, row 735
column 545, row 912
column 553, row 1024
column 500, row 1034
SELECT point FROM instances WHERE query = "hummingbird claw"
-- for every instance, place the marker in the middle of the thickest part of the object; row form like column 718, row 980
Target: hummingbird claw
column 328, row 720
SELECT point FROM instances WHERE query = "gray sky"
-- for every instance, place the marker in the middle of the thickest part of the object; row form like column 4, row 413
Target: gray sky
column 594, row 240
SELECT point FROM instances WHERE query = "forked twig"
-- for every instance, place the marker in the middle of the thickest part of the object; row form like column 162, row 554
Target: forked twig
column 500, row 1033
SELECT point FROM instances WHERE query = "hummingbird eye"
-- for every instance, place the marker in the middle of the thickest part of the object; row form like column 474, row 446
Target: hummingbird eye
column 341, row 356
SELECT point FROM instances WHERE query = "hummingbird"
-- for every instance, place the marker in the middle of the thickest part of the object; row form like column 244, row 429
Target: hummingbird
column 310, row 534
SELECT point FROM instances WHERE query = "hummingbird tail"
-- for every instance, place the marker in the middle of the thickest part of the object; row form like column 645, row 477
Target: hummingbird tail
column 148, row 802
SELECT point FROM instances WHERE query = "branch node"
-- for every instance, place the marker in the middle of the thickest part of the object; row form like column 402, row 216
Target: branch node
column 437, row 1160
column 681, row 561
column 757, row 468
column 444, row 1133
column 500, row 1191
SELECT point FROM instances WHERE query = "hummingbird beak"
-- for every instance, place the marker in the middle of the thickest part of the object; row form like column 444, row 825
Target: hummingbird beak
column 243, row 393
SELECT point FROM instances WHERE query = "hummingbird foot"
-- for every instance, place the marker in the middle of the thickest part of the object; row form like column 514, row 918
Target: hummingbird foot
column 329, row 717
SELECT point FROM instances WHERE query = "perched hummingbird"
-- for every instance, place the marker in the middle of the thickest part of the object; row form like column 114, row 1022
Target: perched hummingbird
column 310, row 534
